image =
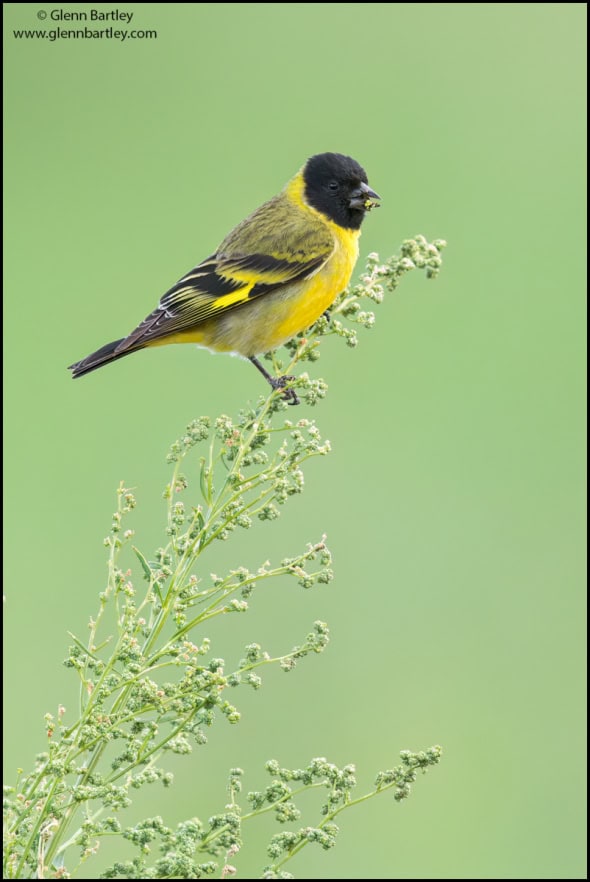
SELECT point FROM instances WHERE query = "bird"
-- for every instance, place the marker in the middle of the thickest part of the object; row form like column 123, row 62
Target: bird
column 272, row 277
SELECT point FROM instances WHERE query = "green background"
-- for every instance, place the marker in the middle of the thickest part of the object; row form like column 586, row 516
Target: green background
column 454, row 498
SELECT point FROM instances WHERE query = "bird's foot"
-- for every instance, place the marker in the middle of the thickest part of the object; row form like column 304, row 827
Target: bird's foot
column 277, row 383
column 289, row 395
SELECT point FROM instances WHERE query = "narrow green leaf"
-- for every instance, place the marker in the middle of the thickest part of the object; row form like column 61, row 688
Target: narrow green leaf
column 144, row 564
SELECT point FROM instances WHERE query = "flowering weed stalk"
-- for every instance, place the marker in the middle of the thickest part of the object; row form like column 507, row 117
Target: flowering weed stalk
column 149, row 684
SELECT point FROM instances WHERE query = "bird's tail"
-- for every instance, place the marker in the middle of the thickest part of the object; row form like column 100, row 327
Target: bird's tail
column 102, row 356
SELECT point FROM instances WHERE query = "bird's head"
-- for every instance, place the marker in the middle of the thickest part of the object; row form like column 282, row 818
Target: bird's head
column 337, row 186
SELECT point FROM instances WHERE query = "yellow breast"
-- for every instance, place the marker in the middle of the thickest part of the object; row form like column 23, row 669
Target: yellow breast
column 318, row 293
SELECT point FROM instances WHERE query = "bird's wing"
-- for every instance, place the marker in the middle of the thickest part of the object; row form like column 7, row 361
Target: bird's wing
column 288, row 252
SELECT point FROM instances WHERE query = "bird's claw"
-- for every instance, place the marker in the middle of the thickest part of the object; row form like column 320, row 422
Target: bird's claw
column 289, row 395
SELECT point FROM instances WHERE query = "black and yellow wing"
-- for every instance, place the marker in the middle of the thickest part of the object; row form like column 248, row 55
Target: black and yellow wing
column 279, row 244
column 215, row 286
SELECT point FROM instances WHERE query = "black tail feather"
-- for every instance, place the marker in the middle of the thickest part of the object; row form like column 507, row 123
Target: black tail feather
column 102, row 356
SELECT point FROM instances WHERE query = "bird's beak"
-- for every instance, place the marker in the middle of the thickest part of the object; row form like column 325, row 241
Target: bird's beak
column 362, row 198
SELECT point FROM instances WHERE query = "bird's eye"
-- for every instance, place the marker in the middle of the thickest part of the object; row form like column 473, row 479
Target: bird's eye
column 333, row 185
